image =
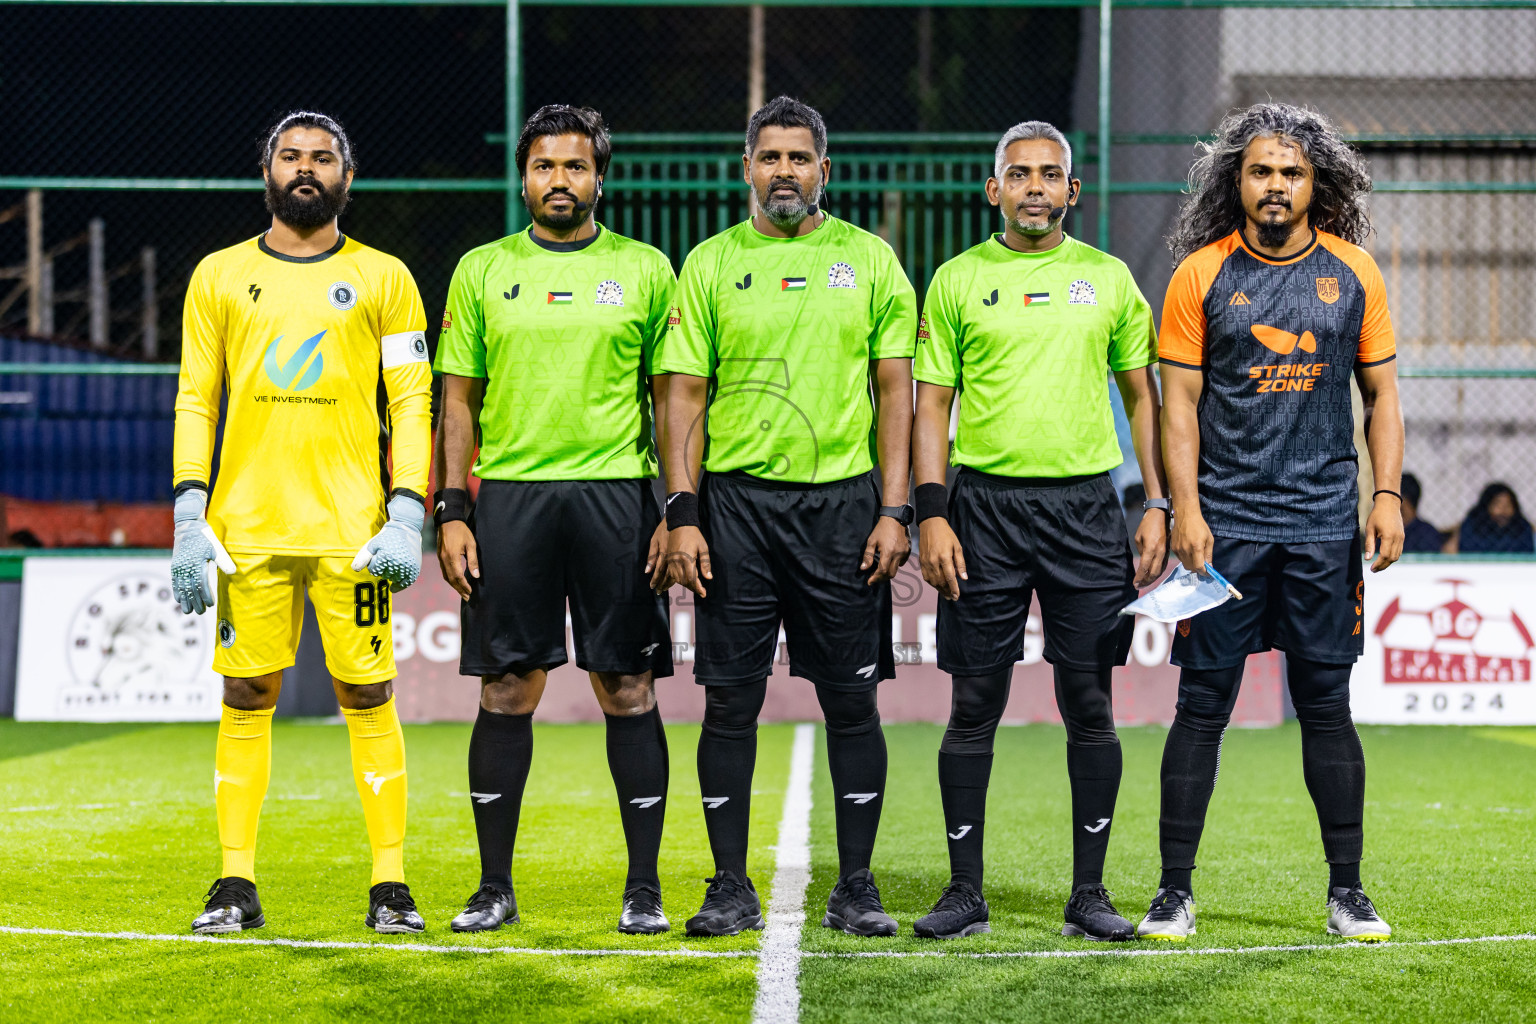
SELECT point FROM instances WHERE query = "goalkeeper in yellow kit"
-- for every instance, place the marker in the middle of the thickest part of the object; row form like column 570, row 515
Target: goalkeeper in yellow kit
column 298, row 325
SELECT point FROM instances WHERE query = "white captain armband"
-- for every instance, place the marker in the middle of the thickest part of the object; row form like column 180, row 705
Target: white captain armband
column 405, row 347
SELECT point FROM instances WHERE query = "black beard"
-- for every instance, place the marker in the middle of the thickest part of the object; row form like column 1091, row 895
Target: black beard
column 785, row 213
column 1273, row 235
column 305, row 213
column 559, row 221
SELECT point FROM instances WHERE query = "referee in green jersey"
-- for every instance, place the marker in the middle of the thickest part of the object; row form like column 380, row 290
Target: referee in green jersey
column 796, row 330
column 1027, row 326
column 547, row 347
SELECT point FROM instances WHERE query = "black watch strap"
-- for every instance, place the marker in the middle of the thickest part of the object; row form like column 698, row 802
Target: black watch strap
column 903, row 514
column 1160, row 503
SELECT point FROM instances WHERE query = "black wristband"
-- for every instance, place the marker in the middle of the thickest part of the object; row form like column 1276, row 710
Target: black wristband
column 450, row 505
column 932, row 501
column 1394, row 494
column 682, row 509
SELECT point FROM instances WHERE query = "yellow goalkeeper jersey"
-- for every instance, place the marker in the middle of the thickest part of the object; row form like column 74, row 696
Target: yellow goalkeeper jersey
column 300, row 345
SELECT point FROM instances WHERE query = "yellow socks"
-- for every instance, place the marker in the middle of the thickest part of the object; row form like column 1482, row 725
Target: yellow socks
column 242, row 764
column 378, row 765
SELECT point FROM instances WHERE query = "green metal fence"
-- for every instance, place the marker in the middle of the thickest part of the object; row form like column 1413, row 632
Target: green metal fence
column 131, row 128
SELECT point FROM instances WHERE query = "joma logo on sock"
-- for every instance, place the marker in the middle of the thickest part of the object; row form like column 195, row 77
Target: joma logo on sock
column 646, row 802
column 860, row 798
column 714, row 803
column 485, row 798
column 1096, row 828
column 961, row 834
column 375, row 780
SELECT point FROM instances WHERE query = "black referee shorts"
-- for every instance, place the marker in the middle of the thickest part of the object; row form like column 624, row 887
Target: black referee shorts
column 791, row 553
column 1304, row 599
column 1063, row 539
column 543, row 543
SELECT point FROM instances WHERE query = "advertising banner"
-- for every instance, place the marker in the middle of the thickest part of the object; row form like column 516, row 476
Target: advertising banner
column 425, row 622
column 103, row 640
column 1448, row 643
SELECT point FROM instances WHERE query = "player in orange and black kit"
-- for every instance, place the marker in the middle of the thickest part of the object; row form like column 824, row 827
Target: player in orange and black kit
column 1273, row 308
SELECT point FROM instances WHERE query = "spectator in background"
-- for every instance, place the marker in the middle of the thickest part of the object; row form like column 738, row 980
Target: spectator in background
column 1494, row 525
column 1418, row 535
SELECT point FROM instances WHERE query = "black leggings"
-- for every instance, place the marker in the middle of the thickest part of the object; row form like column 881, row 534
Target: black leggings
column 1333, row 762
column 856, row 759
column 977, row 703
column 732, row 711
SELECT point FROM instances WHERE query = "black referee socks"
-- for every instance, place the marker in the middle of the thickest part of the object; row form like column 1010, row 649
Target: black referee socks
column 963, row 780
column 1094, row 771
column 727, row 757
column 856, row 759
column 500, row 751
column 637, row 758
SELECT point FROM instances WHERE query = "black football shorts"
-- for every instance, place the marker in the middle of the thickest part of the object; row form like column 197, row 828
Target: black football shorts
column 545, row 542
column 790, row 553
column 1304, row 599
column 1062, row 539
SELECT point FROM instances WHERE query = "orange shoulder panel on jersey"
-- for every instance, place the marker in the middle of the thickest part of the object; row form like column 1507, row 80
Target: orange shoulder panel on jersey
column 1378, row 343
column 1181, row 340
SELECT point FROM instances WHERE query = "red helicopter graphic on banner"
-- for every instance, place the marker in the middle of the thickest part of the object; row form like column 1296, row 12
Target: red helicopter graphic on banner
column 1453, row 642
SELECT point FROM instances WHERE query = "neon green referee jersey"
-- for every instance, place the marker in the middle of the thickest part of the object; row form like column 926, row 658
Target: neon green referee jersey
column 564, row 339
column 785, row 328
column 1029, row 340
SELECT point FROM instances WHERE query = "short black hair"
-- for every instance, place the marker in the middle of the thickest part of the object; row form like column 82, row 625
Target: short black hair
column 309, row 119
column 563, row 119
column 1411, row 489
column 787, row 112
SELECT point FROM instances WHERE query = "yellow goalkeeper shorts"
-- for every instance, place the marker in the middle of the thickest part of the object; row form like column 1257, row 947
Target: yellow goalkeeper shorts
column 261, row 611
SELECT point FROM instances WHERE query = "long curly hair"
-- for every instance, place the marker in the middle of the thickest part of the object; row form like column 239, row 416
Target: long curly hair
column 1214, row 208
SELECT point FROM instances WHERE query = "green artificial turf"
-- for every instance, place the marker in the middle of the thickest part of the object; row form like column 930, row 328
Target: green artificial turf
column 106, row 828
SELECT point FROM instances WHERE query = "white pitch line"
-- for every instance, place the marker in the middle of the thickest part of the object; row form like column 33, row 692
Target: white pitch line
column 408, row 947
column 778, row 966
column 713, row 954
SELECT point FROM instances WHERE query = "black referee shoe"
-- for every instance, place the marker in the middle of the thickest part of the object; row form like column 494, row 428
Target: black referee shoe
column 1090, row 915
column 961, row 911
column 854, row 907
column 232, row 906
column 642, row 911
column 487, row 910
column 730, row 906
column 391, row 911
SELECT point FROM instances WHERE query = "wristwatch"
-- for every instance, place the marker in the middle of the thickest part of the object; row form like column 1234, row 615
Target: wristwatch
column 1162, row 503
column 903, row 514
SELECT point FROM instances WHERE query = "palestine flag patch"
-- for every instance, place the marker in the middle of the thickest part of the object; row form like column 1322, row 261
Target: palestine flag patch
column 1037, row 299
column 792, row 284
column 559, row 299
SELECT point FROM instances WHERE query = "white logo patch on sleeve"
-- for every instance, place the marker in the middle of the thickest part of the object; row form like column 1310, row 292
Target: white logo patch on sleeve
column 405, row 347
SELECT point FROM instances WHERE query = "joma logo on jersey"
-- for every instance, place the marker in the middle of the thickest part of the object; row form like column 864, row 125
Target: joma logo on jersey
column 291, row 374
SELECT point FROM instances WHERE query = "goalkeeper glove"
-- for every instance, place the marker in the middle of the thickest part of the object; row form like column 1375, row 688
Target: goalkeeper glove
column 193, row 548
column 394, row 553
